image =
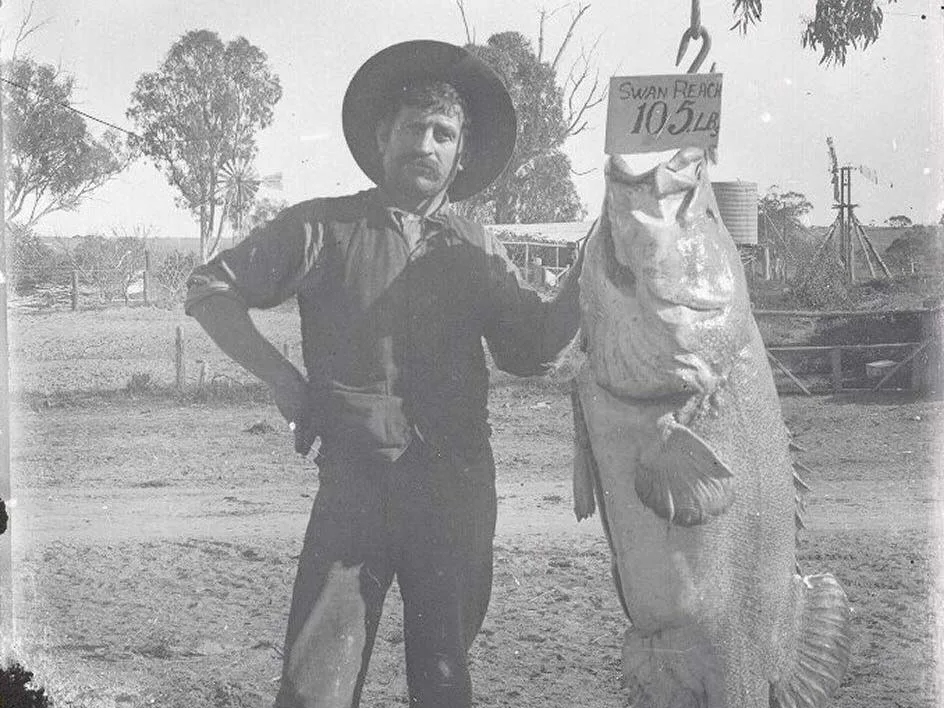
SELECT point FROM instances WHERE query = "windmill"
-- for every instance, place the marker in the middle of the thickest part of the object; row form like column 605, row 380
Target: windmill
column 846, row 229
column 240, row 184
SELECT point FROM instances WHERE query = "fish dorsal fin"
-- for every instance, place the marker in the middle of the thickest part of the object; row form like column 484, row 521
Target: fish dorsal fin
column 800, row 488
column 682, row 479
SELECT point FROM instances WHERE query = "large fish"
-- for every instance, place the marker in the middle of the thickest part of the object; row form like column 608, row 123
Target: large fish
column 681, row 443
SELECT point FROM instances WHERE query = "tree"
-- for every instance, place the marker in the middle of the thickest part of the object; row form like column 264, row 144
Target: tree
column 899, row 221
column 781, row 217
column 835, row 26
column 264, row 210
column 53, row 162
column 552, row 98
column 537, row 184
column 201, row 111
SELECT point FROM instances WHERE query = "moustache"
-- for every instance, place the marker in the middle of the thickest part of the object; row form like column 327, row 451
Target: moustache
column 420, row 162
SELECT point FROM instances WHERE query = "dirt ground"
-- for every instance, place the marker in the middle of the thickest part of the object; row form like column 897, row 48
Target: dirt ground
column 157, row 540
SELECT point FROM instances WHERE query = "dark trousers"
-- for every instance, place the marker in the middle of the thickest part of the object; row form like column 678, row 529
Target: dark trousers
column 427, row 519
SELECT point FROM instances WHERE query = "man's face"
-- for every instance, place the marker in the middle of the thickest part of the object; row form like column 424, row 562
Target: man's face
column 419, row 150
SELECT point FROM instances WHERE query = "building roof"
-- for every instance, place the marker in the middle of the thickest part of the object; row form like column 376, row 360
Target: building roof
column 565, row 232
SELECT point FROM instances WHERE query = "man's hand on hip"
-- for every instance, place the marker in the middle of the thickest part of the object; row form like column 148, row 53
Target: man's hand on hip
column 291, row 395
column 228, row 323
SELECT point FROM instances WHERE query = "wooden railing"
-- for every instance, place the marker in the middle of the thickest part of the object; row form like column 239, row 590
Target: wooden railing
column 905, row 352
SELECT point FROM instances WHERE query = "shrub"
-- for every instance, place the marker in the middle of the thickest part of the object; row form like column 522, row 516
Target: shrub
column 109, row 265
column 919, row 251
column 32, row 264
column 140, row 382
column 820, row 281
column 172, row 274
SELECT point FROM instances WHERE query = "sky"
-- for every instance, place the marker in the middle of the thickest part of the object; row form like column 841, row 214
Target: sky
column 883, row 108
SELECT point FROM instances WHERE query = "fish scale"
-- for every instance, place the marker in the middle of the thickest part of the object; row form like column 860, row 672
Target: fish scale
column 681, row 444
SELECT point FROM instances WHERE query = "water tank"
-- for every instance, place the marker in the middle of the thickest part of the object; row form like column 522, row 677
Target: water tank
column 738, row 204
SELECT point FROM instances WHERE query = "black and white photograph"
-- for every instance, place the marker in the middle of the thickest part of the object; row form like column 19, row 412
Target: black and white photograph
column 460, row 353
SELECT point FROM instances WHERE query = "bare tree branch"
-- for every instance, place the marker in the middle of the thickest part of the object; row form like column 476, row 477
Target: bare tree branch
column 570, row 31
column 27, row 27
column 577, row 105
column 544, row 16
column 592, row 99
column 469, row 35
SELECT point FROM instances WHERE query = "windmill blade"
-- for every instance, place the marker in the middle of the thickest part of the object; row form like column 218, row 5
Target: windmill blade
column 238, row 169
column 240, row 181
column 245, row 191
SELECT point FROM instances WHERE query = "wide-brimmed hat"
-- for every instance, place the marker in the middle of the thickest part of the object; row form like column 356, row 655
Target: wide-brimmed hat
column 491, row 140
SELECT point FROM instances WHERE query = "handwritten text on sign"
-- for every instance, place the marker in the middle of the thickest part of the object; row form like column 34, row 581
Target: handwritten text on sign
column 652, row 113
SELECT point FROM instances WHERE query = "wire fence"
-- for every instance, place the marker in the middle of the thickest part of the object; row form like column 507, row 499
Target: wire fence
column 42, row 280
column 41, row 284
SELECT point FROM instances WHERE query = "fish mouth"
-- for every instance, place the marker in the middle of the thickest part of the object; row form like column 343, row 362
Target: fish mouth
column 700, row 305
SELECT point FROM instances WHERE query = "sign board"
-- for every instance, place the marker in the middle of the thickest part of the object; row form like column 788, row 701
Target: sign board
column 653, row 113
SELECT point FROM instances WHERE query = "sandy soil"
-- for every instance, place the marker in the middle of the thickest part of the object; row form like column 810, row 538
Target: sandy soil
column 156, row 545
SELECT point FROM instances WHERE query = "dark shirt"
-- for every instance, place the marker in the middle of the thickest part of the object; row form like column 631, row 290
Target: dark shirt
column 393, row 311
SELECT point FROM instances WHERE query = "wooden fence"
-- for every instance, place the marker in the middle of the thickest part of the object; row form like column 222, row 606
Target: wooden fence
column 922, row 352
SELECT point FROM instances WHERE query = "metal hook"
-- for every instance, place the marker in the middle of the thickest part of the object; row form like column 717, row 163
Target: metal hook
column 687, row 37
column 695, row 25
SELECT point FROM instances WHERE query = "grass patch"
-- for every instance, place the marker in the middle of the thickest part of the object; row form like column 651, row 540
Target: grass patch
column 230, row 392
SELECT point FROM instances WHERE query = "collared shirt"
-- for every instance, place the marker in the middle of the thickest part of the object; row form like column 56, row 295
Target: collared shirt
column 394, row 308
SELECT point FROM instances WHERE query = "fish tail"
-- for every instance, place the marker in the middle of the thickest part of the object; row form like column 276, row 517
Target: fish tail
column 823, row 645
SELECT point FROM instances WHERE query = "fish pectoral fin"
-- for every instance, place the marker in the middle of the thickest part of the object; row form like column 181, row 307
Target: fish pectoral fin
column 682, row 479
column 584, row 463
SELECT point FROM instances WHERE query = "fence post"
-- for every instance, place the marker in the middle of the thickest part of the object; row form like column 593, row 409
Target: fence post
column 179, row 360
column 835, row 358
column 527, row 264
column 147, row 276
column 927, row 371
column 75, row 290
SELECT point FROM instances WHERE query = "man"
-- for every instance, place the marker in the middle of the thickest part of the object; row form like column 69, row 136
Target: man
column 395, row 293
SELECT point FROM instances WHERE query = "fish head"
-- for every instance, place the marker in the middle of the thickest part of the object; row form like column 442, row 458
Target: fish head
column 664, row 297
column 666, row 230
